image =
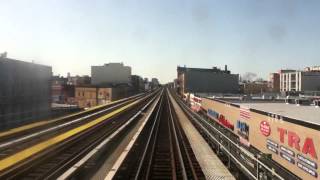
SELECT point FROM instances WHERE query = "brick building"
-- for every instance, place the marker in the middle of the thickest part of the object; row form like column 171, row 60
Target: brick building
column 274, row 82
column 255, row 87
column 89, row 96
column 62, row 92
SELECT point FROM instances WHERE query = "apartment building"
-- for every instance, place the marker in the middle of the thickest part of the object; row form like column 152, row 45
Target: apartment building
column 299, row 81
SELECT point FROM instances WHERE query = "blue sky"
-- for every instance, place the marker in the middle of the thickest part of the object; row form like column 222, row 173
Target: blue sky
column 153, row 37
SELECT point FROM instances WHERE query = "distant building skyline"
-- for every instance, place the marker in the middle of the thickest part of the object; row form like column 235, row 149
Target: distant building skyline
column 111, row 73
column 154, row 37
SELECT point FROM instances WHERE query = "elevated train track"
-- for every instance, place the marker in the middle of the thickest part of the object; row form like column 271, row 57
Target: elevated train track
column 75, row 146
column 9, row 137
column 47, row 157
column 32, row 137
column 245, row 164
column 162, row 151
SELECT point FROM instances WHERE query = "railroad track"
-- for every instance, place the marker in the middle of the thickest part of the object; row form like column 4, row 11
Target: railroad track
column 18, row 136
column 226, row 146
column 53, row 161
column 162, row 150
column 29, row 137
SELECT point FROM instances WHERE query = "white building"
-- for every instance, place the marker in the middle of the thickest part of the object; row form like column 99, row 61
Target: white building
column 292, row 80
column 112, row 73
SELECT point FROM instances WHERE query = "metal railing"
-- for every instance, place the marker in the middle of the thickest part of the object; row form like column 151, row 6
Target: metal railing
column 260, row 169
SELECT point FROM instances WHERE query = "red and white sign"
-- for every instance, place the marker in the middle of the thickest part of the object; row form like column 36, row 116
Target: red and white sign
column 195, row 103
column 265, row 128
column 196, row 99
column 305, row 146
column 244, row 113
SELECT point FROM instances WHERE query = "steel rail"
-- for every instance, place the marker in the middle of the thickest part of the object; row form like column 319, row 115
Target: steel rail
column 98, row 147
column 181, row 160
column 154, row 128
column 58, row 145
column 184, row 143
column 28, row 127
column 161, row 150
column 125, row 153
column 60, row 126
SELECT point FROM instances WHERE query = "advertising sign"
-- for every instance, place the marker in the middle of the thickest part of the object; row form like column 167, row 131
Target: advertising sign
column 225, row 122
column 195, row 103
column 244, row 113
column 265, row 128
column 292, row 143
column 243, row 132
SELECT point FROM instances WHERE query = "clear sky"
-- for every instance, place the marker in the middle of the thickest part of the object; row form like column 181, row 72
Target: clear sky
column 153, row 37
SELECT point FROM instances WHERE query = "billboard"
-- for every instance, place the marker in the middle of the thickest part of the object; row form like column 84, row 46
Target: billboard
column 295, row 146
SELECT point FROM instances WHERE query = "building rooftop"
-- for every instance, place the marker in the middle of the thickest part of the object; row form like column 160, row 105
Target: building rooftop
column 112, row 64
column 213, row 69
column 307, row 113
column 10, row 60
column 304, row 112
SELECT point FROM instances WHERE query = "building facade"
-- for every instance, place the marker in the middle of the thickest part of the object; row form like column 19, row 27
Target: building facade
column 104, row 95
column 61, row 92
column 197, row 80
column 155, row 82
column 78, row 80
column 86, row 96
column 255, row 87
column 25, row 92
column 89, row 96
column 137, row 84
column 299, row 81
column 274, row 82
column 112, row 73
